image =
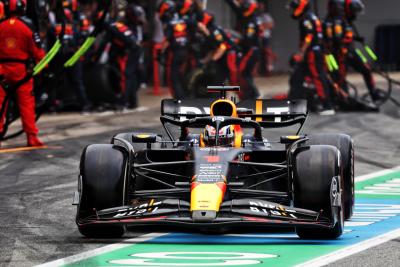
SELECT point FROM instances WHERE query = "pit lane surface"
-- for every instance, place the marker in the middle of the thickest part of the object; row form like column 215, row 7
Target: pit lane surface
column 37, row 218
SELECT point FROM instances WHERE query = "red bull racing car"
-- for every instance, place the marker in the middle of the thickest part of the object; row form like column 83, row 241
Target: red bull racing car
column 218, row 172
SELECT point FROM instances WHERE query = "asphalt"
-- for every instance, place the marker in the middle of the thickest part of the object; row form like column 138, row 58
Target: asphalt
column 36, row 189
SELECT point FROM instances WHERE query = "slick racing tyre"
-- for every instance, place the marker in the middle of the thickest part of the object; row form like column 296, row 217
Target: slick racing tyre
column 317, row 187
column 345, row 145
column 99, row 84
column 102, row 185
column 198, row 80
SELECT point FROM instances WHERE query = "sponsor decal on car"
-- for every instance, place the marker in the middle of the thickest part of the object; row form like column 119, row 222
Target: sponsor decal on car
column 149, row 207
column 270, row 209
column 335, row 192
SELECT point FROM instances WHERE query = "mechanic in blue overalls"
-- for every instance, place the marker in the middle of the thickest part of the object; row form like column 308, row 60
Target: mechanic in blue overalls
column 177, row 31
column 190, row 10
column 351, row 10
column 123, row 56
column 250, row 26
column 222, row 49
column 310, row 58
column 335, row 35
column 76, row 31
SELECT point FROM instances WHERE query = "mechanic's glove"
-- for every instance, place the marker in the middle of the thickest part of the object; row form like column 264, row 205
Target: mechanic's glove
column 203, row 62
column 3, row 84
column 162, row 57
column 295, row 59
column 359, row 39
column 211, row 67
column 48, row 75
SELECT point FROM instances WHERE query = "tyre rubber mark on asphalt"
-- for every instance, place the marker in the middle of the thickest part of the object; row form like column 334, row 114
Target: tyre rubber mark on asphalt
column 376, row 220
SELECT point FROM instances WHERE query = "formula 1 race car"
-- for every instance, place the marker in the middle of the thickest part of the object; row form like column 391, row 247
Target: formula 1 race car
column 223, row 177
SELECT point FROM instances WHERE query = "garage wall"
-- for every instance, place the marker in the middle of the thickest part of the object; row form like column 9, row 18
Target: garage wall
column 223, row 13
column 285, row 35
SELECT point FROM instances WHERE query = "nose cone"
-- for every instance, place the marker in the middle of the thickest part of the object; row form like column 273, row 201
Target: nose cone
column 204, row 216
column 206, row 200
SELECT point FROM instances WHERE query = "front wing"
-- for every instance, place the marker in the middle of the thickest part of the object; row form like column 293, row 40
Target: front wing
column 233, row 213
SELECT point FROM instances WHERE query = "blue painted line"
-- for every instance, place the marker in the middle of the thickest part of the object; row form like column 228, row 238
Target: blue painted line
column 353, row 235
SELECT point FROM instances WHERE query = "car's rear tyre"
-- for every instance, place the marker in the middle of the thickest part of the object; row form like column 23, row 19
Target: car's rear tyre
column 102, row 185
column 345, row 145
column 317, row 183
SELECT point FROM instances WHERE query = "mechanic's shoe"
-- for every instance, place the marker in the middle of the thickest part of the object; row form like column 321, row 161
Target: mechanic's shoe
column 327, row 112
column 86, row 110
column 326, row 109
column 33, row 140
column 379, row 96
column 371, row 106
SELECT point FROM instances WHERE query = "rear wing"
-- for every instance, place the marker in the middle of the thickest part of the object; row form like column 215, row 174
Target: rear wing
column 271, row 113
column 268, row 113
column 186, row 109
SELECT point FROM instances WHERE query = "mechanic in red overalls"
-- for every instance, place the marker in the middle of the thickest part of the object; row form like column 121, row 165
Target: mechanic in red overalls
column 2, row 12
column 18, row 45
column 310, row 58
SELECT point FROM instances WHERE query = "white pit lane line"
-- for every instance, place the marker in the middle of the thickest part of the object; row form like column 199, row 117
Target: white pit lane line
column 321, row 261
column 375, row 174
column 348, row 251
column 101, row 250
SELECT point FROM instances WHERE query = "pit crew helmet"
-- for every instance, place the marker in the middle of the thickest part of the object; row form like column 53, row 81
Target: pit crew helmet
column 166, row 10
column 298, row 7
column 352, row 8
column 135, row 14
column 336, row 8
column 249, row 8
column 71, row 5
column 226, row 136
column 206, row 18
column 2, row 11
column 185, row 7
column 15, row 7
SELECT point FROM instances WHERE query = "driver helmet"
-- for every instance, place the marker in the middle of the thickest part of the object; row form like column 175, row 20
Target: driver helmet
column 226, row 136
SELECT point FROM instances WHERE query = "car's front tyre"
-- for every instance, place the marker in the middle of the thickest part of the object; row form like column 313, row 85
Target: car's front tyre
column 102, row 185
column 318, row 187
column 345, row 145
